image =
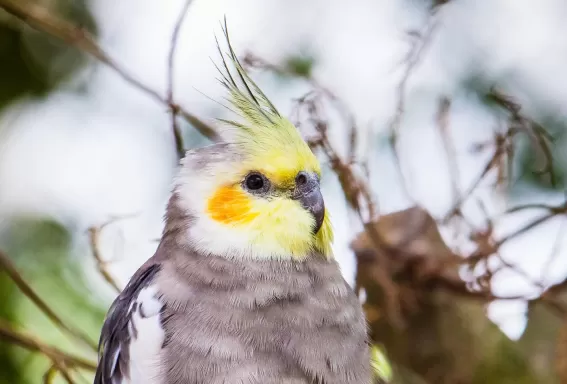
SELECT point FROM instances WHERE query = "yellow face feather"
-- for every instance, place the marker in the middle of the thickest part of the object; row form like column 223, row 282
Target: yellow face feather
column 271, row 145
column 279, row 223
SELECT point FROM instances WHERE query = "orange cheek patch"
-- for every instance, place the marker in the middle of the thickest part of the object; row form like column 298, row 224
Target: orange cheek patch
column 231, row 205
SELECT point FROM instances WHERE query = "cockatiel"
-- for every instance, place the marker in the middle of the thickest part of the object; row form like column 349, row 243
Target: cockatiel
column 243, row 287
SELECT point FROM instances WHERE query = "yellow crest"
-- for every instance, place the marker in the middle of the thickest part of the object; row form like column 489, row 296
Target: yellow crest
column 268, row 137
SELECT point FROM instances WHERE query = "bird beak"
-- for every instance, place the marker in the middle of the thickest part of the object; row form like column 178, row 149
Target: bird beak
column 313, row 202
column 308, row 193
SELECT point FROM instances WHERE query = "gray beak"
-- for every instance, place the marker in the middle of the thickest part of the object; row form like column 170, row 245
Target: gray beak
column 308, row 193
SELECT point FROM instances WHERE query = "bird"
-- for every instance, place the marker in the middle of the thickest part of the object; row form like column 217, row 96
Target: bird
column 243, row 286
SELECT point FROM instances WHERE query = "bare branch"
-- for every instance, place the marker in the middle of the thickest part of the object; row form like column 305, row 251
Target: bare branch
column 554, row 250
column 413, row 58
column 94, row 237
column 63, row 361
column 94, row 234
column 503, row 143
column 539, row 137
column 529, row 226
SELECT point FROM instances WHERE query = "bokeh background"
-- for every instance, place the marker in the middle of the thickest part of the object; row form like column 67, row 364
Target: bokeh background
column 457, row 109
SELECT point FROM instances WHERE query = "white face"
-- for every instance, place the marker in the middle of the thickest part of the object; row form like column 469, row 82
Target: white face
column 274, row 226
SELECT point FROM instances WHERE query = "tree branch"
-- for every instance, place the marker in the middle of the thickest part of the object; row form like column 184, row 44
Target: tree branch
column 94, row 234
column 62, row 361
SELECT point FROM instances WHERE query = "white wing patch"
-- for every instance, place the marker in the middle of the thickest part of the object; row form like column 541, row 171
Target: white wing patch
column 147, row 337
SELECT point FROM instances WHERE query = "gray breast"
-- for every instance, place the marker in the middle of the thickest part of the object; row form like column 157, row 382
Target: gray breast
column 260, row 322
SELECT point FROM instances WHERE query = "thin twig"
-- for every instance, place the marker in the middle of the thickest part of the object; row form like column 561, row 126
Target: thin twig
column 39, row 18
column 502, row 142
column 540, row 138
column 10, row 269
column 170, row 83
column 63, row 360
column 94, row 239
column 554, row 250
column 94, row 235
column 528, row 227
column 412, row 60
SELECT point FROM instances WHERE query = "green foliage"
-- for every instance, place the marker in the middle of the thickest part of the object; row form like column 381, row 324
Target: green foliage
column 42, row 253
column 32, row 63
column 8, row 366
column 301, row 65
column 380, row 364
column 533, row 162
column 504, row 366
column 533, row 149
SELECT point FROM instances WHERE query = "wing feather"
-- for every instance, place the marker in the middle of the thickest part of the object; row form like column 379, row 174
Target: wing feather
column 131, row 331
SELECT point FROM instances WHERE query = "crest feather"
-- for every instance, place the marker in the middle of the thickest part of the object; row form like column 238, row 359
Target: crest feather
column 246, row 96
column 266, row 135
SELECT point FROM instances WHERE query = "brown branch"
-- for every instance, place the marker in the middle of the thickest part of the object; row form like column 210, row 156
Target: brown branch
column 170, row 83
column 539, row 137
column 63, row 361
column 252, row 61
column 10, row 269
column 412, row 60
column 459, row 288
column 94, row 235
column 39, row 18
column 552, row 209
column 554, row 250
column 525, row 229
column 94, row 238
column 503, row 142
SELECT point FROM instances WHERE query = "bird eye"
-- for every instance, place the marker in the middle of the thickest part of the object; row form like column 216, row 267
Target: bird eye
column 254, row 182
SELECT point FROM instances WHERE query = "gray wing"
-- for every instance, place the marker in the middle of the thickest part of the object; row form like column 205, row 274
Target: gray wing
column 120, row 331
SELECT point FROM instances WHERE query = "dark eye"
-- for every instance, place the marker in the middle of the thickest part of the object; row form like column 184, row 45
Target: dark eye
column 254, row 182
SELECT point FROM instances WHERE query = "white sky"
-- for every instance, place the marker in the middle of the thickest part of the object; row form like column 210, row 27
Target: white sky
column 85, row 158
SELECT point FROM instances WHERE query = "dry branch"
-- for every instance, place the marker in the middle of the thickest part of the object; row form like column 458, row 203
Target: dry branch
column 413, row 58
column 94, row 238
column 94, row 235
column 63, row 362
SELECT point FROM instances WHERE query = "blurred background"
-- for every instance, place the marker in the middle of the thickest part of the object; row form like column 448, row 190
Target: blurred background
column 440, row 126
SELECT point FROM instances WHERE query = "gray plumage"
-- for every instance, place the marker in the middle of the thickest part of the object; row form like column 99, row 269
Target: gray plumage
column 245, row 321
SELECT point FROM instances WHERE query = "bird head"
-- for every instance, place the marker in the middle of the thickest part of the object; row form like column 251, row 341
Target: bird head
column 257, row 194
